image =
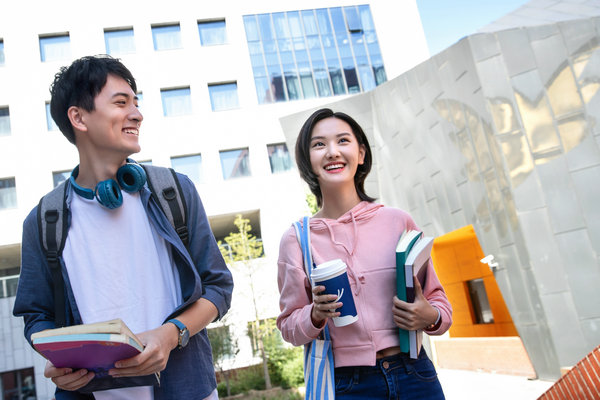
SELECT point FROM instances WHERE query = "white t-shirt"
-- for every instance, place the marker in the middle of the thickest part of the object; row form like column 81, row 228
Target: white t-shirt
column 119, row 267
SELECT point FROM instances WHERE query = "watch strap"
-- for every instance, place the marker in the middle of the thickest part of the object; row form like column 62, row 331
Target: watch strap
column 177, row 323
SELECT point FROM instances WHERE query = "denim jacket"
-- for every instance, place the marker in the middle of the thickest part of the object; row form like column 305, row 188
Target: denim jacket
column 189, row 373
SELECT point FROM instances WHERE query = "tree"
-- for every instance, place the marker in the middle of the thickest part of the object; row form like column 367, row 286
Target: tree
column 243, row 250
column 311, row 201
column 224, row 345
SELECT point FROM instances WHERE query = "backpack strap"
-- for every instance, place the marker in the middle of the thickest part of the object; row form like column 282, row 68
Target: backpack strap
column 166, row 191
column 52, row 226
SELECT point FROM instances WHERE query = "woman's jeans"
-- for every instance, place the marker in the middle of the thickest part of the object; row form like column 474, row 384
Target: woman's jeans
column 394, row 377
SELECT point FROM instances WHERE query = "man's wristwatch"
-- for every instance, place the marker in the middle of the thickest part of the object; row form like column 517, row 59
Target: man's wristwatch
column 184, row 334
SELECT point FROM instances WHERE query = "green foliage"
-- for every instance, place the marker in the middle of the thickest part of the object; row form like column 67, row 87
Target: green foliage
column 311, row 201
column 243, row 246
column 245, row 380
column 285, row 363
column 223, row 343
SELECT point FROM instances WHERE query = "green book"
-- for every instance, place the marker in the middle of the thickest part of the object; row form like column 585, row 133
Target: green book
column 405, row 243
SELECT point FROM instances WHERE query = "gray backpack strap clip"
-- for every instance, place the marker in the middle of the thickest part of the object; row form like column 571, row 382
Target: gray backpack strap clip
column 166, row 191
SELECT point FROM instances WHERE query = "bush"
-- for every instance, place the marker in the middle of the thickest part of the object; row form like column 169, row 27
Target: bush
column 244, row 380
column 286, row 366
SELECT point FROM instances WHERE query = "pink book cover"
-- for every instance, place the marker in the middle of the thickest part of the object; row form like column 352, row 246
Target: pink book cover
column 94, row 352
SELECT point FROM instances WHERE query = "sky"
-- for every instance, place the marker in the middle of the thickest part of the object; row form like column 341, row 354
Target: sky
column 445, row 22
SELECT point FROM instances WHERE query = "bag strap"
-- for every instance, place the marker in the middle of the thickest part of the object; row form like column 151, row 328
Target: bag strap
column 52, row 226
column 303, row 236
column 166, row 191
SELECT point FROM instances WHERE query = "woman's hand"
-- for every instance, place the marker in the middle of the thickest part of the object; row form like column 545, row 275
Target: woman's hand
column 413, row 316
column 158, row 345
column 66, row 378
column 323, row 307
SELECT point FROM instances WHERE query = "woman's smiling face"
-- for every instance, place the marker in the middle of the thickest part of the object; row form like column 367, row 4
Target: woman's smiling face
column 335, row 153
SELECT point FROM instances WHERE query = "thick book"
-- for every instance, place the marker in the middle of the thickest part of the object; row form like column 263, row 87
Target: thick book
column 416, row 266
column 405, row 243
column 95, row 347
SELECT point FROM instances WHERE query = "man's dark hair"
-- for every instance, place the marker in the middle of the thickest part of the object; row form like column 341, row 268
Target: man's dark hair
column 303, row 153
column 79, row 84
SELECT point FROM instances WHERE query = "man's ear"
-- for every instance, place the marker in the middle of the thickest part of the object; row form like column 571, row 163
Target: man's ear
column 75, row 115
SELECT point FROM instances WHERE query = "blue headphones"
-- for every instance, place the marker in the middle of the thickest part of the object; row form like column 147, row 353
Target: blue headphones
column 131, row 177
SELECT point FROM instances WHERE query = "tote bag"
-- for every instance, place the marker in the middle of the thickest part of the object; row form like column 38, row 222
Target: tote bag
column 318, row 354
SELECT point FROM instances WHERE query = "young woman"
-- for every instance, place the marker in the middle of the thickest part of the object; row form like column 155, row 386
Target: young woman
column 334, row 158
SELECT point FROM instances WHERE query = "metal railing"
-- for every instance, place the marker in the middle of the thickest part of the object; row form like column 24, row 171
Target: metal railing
column 8, row 285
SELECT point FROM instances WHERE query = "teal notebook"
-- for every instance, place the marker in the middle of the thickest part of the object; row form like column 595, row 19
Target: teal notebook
column 405, row 243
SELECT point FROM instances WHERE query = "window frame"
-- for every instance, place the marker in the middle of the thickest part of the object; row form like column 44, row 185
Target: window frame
column 110, row 31
column 55, row 36
column 158, row 27
column 186, row 111
column 209, row 22
column 247, row 160
column 211, row 95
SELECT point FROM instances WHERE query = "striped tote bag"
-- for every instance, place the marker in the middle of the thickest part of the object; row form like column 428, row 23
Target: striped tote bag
column 318, row 354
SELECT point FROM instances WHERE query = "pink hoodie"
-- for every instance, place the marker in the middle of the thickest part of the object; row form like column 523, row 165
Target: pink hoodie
column 365, row 239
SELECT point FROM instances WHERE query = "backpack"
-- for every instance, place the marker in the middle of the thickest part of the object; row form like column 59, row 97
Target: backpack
column 166, row 191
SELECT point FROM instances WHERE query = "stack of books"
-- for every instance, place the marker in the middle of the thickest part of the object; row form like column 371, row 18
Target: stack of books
column 412, row 257
column 95, row 347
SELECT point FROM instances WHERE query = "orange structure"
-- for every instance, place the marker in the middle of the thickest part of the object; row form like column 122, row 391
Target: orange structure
column 457, row 259
column 483, row 336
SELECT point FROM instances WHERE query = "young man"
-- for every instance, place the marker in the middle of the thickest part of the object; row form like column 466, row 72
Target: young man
column 124, row 260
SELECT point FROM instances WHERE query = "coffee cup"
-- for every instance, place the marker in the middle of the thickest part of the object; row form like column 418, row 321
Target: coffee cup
column 334, row 276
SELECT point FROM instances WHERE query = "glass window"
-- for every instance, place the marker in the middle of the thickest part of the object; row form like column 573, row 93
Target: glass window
column 166, row 37
column 279, row 157
column 212, row 32
column 1, row 52
column 8, row 193
column 119, row 41
column 323, row 21
column 4, row 121
column 18, row 384
column 308, row 53
column 310, row 22
column 251, row 28
column 176, row 102
column 337, row 80
column 263, row 90
column 59, row 177
column 223, row 96
column 295, row 25
column 55, row 48
column 352, row 19
column 235, row 163
column 50, row 124
column 140, row 101
column 482, row 313
column 282, row 29
column 190, row 166
column 350, row 75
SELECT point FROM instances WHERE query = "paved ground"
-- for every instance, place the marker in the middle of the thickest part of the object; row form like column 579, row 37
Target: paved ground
column 471, row 385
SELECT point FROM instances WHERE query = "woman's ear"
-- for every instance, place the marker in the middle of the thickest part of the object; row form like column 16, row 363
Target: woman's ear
column 361, row 154
column 76, row 117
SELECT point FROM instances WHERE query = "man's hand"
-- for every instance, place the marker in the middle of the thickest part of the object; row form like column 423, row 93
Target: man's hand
column 158, row 345
column 66, row 378
column 413, row 316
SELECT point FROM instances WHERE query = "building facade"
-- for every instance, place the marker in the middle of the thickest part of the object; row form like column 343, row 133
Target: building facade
column 501, row 131
column 213, row 80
